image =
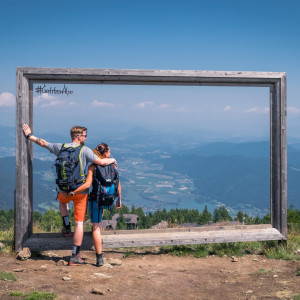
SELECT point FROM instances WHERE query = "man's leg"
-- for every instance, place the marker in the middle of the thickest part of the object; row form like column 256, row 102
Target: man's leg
column 80, row 205
column 64, row 211
column 78, row 233
column 64, row 208
column 77, row 241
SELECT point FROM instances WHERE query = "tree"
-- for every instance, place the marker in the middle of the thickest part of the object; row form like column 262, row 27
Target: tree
column 193, row 216
column 266, row 219
column 293, row 215
column 205, row 216
column 51, row 221
column 133, row 210
column 148, row 221
column 107, row 214
column 121, row 222
column 164, row 215
column 36, row 216
column 221, row 214
column 10, row 217
column 172, row 216
column 3, row 223
column 124, row 210
column 242, row 217
column 140, row 212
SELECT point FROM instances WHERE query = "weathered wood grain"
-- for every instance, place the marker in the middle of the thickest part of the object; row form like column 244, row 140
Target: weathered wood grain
column 278, row 156
column 23, row 195
column 140, row 238
column 283, row 154
column 172, row 77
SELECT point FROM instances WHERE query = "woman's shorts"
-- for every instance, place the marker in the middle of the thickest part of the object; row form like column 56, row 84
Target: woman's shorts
column 95, row 211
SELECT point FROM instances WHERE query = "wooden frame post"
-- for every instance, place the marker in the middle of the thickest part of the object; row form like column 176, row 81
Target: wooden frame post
column 24, row 168
column 278, row 157
column 276, row 81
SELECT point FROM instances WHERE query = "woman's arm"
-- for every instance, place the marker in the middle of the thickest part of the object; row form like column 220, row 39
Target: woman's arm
column 88, row 181
column 104, row 161
column 119, row 202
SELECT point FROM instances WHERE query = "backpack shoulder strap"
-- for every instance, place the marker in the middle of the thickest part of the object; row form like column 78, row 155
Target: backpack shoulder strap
column 116, row 179
column 61, row 148
column 116, row 172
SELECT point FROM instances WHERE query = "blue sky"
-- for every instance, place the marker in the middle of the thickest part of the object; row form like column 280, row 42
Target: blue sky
column 172, row 35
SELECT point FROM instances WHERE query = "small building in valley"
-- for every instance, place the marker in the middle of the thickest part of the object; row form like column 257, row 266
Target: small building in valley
column 130, row 219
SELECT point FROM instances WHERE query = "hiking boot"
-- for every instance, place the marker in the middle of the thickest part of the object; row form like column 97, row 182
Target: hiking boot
column 83, row 258
column 99, row 262
column 66, row 232
column 76, row 260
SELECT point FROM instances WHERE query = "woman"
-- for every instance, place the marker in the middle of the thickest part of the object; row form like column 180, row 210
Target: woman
column 102, row 151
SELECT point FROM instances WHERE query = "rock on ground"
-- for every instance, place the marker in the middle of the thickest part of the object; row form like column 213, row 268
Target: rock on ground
column 24, row 254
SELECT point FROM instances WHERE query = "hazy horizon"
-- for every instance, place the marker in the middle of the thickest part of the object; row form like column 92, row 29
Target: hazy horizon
column 228, row 111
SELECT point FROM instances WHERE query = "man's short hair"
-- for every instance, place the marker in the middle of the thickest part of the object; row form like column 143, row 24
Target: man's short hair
column 76, row 130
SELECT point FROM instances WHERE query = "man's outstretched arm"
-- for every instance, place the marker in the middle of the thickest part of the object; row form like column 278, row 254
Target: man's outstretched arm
column 28, row 134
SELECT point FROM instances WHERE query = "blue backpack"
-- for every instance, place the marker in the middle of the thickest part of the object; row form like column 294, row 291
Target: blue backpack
column 105, row 186
column 68, row 169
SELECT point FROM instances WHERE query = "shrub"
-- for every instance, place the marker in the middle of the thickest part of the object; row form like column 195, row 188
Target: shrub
column 16, row 294
column 7, row 238
column 36, row 295
column 7, row 276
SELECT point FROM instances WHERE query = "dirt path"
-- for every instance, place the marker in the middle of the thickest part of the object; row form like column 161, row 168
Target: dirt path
column 152, row 276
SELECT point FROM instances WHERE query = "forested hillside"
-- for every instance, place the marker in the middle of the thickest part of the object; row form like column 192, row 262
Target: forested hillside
column 229, row 179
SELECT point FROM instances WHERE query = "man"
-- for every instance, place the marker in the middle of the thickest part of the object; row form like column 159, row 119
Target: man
column 86, row 155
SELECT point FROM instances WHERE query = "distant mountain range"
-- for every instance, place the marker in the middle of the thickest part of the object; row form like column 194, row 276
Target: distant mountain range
column 229, row 179
column 254, row 149
column 236, row 174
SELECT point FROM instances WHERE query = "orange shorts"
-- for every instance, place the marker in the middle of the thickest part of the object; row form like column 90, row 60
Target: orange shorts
column 80, row 204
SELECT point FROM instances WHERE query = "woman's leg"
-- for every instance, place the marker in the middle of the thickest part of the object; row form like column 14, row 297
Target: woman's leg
column 96, row 215
column 97, row 238
column 98, row 244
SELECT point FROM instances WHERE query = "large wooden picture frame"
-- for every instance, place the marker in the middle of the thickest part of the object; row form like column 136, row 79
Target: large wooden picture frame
column 276, row 81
